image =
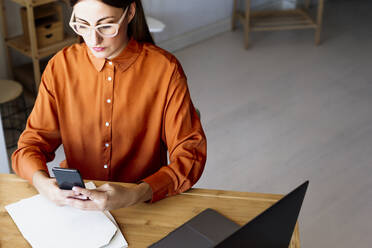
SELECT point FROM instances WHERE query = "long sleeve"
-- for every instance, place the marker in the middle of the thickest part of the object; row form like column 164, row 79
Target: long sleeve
column 186, row 142
column 41, row 136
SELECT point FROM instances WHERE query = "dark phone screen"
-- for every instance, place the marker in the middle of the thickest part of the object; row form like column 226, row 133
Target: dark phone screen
column 68, row 178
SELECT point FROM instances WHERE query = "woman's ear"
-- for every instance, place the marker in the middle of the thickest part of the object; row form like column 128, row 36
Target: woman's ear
column 132, row 12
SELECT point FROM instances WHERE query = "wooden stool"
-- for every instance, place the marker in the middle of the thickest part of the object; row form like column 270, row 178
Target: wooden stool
column 277, row 20
column 13, row 116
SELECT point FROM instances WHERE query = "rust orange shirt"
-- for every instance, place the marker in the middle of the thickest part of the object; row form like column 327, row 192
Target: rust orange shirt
column 116, row 119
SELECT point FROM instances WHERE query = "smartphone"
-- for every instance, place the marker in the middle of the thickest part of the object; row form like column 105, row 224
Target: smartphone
column 68, row 178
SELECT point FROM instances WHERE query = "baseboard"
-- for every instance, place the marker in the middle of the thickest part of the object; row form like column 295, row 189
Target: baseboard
column 208, row 31
column 196, row 35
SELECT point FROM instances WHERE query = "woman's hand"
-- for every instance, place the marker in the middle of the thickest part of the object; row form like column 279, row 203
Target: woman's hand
column 110, row 196
column 48, row 187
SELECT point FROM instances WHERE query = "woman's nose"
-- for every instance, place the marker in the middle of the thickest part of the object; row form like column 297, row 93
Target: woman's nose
column 95, row 38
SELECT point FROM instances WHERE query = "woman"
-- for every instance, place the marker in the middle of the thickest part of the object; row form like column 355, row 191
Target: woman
column 117, row 103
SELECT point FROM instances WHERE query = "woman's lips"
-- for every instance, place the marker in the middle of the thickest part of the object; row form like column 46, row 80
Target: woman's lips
column 98, row 49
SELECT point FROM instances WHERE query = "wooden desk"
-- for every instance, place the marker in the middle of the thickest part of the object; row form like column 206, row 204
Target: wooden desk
column 144, row 224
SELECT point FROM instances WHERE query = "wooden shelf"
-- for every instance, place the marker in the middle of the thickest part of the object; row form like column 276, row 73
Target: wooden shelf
column 18, row 43
column 283, row 20
column 31, row 47
column 279, row 20
column 33, row 3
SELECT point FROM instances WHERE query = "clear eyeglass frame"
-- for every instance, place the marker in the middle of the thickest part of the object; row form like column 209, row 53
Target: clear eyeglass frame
column 114, row 27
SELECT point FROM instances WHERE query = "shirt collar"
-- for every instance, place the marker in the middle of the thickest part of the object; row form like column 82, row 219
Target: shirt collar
column 125, row 59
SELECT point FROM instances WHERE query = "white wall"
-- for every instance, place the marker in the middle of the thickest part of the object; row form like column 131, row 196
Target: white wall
column 188, row 22
column 4, row 163
column 184, row 16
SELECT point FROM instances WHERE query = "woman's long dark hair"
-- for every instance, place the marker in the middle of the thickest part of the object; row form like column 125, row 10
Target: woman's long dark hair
column 137, row 28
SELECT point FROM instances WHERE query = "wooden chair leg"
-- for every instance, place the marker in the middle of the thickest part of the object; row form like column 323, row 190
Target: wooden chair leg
column 319, row 21
column 247, row 23
column 234, row 15
column 307, row 3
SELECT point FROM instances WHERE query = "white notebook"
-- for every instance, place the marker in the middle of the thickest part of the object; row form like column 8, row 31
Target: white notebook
column 44, row 224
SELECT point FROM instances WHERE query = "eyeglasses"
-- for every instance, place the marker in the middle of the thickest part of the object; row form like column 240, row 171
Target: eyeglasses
column 105, row 30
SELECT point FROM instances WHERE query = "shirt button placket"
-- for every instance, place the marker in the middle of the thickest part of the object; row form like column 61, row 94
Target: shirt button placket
column 108, row 106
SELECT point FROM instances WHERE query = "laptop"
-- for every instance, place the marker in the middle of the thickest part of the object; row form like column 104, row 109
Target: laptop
column 271, row 229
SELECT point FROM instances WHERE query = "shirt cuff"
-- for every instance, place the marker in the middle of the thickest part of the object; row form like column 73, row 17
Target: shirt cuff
column 33, row 164
column 161, row 184
column 30, row 170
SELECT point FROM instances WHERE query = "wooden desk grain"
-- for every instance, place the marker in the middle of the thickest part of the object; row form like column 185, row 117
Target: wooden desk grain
column 144, row 223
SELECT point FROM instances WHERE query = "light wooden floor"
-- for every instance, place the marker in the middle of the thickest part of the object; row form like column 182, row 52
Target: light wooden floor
column 286, row 111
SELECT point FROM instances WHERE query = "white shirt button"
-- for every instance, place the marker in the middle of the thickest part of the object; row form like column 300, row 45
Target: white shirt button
column 109, row 78
column 107, row 124
column 107, row 144
column 110, row 63
column 105, row 166
column 108, row 100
